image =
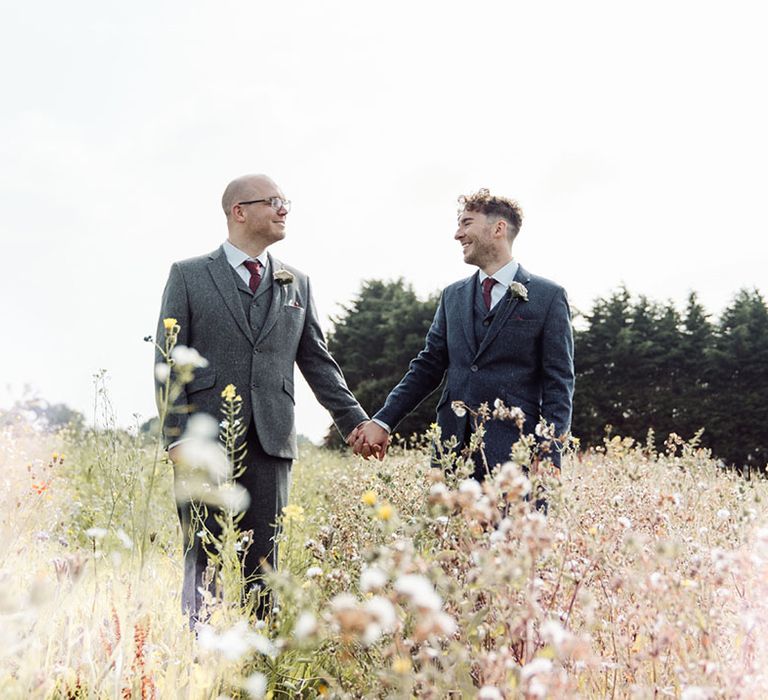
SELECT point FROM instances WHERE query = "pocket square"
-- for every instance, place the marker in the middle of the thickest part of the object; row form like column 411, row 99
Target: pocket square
column 293, row 304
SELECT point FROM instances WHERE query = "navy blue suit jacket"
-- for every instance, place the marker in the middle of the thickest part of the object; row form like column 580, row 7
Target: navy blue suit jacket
column 525, row 359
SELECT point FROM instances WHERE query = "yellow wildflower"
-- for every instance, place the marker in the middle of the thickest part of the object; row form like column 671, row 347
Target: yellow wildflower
column 169, row 324
column 384, row 512
column 369, row 498
column 229, row 393
column 55, row 456
column 401, row 665
column 293, row 512
column 322, row 688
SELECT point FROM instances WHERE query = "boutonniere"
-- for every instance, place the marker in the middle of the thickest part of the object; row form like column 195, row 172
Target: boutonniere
column 518, row 291
column 283, row 277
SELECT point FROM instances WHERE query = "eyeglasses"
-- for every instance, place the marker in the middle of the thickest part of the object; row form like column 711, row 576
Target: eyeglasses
column 277, row 203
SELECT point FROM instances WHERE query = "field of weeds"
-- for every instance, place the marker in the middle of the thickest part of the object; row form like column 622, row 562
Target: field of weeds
column 647, row 578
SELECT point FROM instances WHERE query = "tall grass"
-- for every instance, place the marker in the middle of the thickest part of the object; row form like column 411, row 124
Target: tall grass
column 647, row 578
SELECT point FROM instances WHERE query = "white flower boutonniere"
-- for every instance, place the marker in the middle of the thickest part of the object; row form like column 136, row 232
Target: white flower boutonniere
column 518, row 291
column 282, row 276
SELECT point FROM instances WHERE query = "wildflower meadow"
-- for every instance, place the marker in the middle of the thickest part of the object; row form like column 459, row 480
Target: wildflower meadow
column 645, row 578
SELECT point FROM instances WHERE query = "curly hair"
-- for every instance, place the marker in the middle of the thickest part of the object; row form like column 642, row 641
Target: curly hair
column 493, row 205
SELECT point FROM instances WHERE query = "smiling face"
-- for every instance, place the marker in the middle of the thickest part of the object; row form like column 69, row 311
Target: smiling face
column 261, row 221
column 483, row 240
column 252, row 221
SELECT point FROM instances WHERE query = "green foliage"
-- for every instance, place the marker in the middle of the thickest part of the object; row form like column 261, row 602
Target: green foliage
column 374, row 339
column 642, row 365
column 738, row 408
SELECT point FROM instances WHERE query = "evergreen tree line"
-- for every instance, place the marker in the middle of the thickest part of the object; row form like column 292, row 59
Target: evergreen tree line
column 640, row 365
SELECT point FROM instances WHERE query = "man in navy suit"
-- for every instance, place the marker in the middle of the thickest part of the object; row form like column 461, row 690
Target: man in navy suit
column 501, row 333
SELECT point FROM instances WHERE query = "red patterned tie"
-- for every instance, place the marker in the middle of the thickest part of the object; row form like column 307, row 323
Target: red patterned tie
column 254, row 267
column 488, row 283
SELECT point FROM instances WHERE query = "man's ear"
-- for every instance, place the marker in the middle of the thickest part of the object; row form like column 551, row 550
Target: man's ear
column 237, row 213
column 500, row 229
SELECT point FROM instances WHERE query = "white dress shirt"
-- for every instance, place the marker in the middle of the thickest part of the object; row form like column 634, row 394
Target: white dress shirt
column 237, row 257
column 504, row 277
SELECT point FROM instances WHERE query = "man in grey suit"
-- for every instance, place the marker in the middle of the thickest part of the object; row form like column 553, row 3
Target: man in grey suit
column 252, row 318
column 501, row 333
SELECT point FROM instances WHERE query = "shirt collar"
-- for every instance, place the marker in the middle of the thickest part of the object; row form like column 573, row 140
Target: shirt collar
column 236, row 257
column 505, row 275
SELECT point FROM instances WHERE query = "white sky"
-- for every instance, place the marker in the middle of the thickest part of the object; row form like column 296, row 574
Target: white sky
column 633, row 134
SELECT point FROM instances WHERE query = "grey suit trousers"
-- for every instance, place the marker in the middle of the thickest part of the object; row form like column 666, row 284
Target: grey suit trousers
column 267, row 480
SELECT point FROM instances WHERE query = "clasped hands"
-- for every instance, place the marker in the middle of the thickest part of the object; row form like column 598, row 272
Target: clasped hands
column 369, row 439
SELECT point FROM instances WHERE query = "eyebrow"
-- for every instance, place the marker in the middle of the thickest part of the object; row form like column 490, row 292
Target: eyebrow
column 464, row 219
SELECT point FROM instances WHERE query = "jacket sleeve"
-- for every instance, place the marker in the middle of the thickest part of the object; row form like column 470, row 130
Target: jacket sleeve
column 174, row 304
column 324, row 375
column 557, row 373
column 424, row 375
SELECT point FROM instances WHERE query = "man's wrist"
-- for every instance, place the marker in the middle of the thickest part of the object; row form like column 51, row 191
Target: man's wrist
column 382, row 424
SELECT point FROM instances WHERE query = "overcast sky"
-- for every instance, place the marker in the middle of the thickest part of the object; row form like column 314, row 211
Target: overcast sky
column 633, row 135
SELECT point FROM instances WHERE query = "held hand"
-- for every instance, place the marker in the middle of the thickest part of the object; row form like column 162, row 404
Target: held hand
column 174, row 454
column 369, row 439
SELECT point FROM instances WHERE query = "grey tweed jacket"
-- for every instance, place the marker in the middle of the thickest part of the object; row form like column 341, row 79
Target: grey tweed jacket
column 201, row 293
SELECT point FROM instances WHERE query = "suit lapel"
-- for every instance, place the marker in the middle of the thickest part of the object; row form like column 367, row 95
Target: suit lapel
column 466, row 294
column 221, row 272
column 506, row 306
column 278, row 297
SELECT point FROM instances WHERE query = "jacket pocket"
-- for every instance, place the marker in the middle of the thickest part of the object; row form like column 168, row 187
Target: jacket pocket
column 205, row 378
column 288, row 388
column 529, row 407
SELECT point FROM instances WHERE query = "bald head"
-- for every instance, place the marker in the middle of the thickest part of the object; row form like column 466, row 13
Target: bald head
column 244, row 188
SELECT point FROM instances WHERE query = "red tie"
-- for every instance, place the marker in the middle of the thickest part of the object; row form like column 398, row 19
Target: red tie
column 254, row 267
column 488, row 283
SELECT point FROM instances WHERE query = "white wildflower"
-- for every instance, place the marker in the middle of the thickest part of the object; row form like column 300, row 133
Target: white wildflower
column 382, row 610
column 126, row 541
column 343, row 601
column 489, row 692
column 314, row 572
column 188, row 357
column 208, row 456
column 231, row 496
column 472, row 487
column 372, row 633
column 162, row 372
column 554, row 633
column 535, row 667
column 231, row 644
column 419, row 590
column 723, row 514
column 255, row 685
column 202, row 426
column 625, row 522
column 444, row 624
column 459, row 408
column 695, row 692
column 306, row 626
column 372, row 579
column 95, row 533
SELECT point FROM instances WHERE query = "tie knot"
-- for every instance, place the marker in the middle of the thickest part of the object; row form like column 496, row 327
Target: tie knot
column 253, row 266
column 488, row 283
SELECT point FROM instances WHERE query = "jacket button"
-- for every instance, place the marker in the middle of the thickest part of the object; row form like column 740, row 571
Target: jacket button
column 256, row 350
column 486, row 322
column 473, row 368
column 254, row 385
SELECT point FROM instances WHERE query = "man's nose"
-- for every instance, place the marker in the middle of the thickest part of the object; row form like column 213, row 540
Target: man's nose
column 457, row 235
